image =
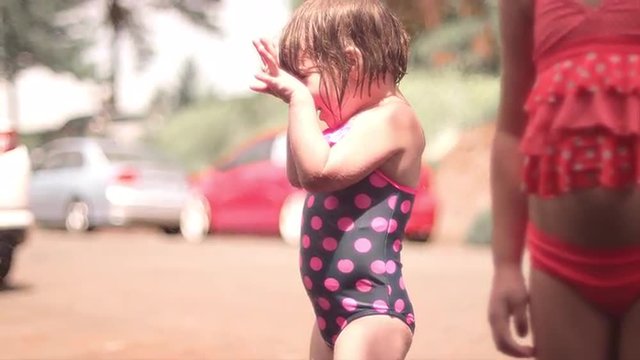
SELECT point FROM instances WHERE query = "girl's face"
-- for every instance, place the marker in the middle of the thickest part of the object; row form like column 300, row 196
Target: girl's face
column 324, row 96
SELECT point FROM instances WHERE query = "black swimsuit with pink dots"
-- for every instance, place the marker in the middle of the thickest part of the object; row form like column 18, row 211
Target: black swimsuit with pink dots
column 350, row 252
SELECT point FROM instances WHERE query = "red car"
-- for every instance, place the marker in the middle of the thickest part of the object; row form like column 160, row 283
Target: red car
column 249, row 193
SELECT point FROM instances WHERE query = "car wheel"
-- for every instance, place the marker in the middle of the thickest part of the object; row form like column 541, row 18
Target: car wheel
column 6, row 258
column 195, row 219
column 423, row 238
column 291, row 218
column 77, row 217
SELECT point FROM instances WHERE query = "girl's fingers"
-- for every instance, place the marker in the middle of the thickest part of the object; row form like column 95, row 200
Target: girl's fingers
column 271, row 49
column 267, row 59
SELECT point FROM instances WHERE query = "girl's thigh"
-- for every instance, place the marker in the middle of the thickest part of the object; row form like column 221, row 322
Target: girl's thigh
column 374, row 337
column 565, row 325
column 319, row 350
column 629, row 346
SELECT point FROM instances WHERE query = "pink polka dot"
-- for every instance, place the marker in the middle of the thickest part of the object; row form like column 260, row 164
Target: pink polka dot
column 331, row 284
column 364, row 285
column 345, row 265
column 308, row 284
column 393, row 225
column 389, row 289
column 322, row 323
column 380, row 306
column 349, row 304
column 331, row 203
column 316, row 222
column 392, row 201
column 324, row 303
column 362, row 245
column 379, row 224
column 345, row 224
column 391, row 267
column 363, row 201
column 406, row 206
column 329, row 244
column 315, row 263
column 306, row 241
column 411, row 319
column 397, row 245
column 399, row 305
column 377, row 180
column 378, row 267
column 341, row 322
column 401, row 283
column 310, row 201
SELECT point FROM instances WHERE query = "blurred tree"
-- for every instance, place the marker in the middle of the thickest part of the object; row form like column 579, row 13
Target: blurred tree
column 187, row 87
column 28, row 30
column 124, row 18
column 462, row 33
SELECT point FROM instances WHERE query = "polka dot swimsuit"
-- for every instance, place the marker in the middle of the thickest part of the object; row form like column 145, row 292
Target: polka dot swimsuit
column 350, row 252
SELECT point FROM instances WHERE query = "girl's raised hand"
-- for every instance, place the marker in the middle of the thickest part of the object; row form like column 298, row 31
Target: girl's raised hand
column 271, row 79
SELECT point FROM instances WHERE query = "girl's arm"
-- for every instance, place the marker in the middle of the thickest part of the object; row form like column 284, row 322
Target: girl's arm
column 518, row 72
column 292, row 172
column 509, row 296
column 373, row 138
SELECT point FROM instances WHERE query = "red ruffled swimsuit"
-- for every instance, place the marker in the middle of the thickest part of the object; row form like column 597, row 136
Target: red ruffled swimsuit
column 584, row 109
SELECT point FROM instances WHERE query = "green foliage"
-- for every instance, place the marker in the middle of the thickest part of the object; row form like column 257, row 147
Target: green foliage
column 187, row 88
column 481, row 229
column 41, row 33
column 450, row 99
column 199, row 134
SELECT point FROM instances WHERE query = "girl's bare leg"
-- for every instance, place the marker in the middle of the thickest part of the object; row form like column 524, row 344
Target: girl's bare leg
column 319, row 350
column 629, row 347
column 374, row 337
column 565, row 326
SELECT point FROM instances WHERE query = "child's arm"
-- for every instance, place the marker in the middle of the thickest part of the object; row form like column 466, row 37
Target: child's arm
column 509, row 296
column 292, row 172
column 374, row 137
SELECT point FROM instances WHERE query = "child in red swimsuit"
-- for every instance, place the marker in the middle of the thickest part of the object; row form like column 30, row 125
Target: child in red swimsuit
column 565, row 174
column 355, row 145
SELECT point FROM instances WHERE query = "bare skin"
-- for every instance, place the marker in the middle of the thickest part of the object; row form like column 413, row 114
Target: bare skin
column 597, row 218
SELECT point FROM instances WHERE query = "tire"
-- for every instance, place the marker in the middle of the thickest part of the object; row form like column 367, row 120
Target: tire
column 170, row 230
column 76, row 219
column 6, row 259
column 290, row 221
column 421, row 238
column 195, row 219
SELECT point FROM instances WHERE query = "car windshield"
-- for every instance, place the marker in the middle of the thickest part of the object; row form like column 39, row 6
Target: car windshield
column 135, row 154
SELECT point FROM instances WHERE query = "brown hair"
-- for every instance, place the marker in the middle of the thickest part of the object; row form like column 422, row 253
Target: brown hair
column 321, row 30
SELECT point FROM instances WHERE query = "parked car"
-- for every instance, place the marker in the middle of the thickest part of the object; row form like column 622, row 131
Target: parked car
column 15, row 217
column 83, row 183
column 248, row 192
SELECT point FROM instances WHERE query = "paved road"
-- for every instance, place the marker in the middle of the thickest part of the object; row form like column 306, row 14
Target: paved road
column 144, row 295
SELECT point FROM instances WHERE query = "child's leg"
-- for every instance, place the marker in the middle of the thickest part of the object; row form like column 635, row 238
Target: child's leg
column 374, row 337
column 319, row 350
column 565, row 326
column 629, row 334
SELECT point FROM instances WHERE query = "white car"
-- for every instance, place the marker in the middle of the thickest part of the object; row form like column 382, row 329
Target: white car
column 15, row 216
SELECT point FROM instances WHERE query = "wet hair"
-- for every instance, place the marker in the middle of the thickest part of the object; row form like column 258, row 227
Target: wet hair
column 322, row 30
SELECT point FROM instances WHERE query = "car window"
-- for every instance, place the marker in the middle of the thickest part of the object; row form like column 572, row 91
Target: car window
column 63, row 160
column 260, row 151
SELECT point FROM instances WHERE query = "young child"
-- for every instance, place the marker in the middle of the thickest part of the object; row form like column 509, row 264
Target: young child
column 355, row 145
column 567, row 134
